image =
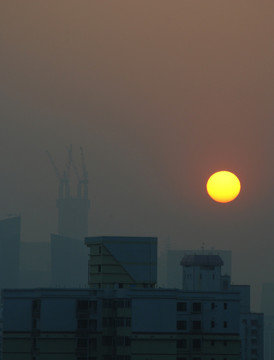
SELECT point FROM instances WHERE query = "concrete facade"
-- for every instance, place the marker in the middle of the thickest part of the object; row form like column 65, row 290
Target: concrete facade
column 170, row 262
column 135, row 324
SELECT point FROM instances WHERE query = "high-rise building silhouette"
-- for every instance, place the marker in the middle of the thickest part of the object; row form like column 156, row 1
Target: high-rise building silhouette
column 73, row 209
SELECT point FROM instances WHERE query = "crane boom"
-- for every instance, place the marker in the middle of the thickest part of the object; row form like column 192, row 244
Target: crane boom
column 53, row 165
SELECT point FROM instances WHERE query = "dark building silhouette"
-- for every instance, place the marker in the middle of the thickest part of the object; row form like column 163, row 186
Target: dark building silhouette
column 69, row 262
column 10, row 228
column 34, row 264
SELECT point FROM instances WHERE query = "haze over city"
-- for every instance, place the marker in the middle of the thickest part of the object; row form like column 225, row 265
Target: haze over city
column 160, row 95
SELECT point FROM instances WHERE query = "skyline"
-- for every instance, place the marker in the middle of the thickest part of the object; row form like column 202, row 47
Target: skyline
column 160, row 96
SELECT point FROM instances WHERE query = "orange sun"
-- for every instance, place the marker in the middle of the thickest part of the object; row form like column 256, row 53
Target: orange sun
column 223, row 186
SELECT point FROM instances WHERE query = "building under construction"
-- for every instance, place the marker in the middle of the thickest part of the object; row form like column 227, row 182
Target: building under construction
column 72, row 208
column 67, row 246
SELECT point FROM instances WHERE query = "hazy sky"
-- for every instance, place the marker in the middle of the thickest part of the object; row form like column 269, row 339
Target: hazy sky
column 160, row 94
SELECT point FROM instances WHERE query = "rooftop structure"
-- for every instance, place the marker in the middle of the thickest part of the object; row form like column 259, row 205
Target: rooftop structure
column 171, row 259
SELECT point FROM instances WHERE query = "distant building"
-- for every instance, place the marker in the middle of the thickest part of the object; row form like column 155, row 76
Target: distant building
column 267, row 307
column 10, row 233
column 69, row 262
column 35, row 264
column 174, row 257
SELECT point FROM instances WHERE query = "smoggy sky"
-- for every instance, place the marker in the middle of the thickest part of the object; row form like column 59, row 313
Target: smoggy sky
column 160, row 94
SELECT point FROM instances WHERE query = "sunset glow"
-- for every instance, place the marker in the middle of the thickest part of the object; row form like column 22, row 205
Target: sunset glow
column 223, row 186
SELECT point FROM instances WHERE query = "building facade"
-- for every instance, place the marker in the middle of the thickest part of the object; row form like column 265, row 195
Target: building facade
column 120, row 324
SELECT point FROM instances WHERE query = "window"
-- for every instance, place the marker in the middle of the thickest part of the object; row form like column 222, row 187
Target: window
column 119, row 340
column 99, row 268
column 122, row 303
column 107, row 303
column 34, row 324
column 93, row 307
column 107, row 340
column 82, row 305
column 107, row 322
column 36, row 305
column 196, row 344
column 82, row 343
column 181, row 325
column 128, row 322
column 82, row 324
column 225, row 343
column 212, row 306
column 225, row 306
column 100, row 249
column 127, row 304
column 93, row 344
column 93, row 325
column 196, row 325
column 122, row 340
column 254, row 322
column 120, row 285
column 119, row 322
column 225, row 324
column 212, row 343
column 196, row 307
column 181, row 306
column 127, row 341
column 181, row 344
column 212, row 324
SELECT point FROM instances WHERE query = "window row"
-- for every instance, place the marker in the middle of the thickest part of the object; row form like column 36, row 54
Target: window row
column 196, row 306
column 116, row 341
column 84, row 324
column 117, row 322
column 196, row 358
column 121, row 303
column 85, row 305
column 116, row 357
column 196, row 325
column 196, row 343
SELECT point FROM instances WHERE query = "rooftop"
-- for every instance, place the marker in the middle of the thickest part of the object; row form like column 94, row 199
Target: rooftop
column 202, row 260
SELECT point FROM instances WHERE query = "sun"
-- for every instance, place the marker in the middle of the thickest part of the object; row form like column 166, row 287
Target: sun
column 223, row 186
